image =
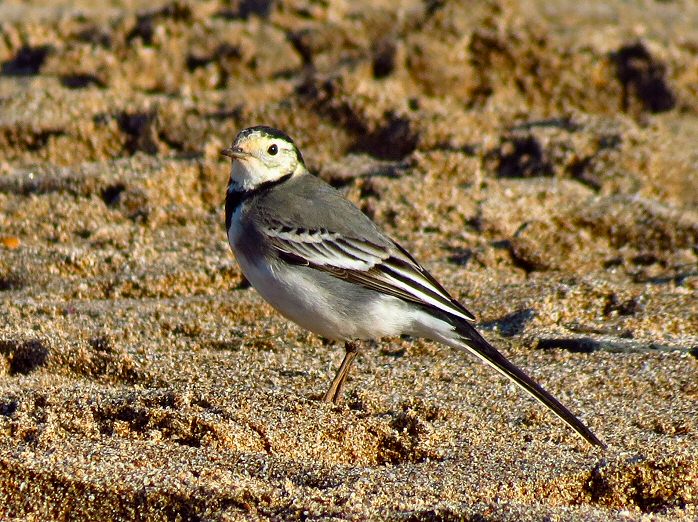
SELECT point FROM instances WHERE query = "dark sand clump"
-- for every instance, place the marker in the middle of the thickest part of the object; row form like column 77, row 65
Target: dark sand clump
column 539, row 157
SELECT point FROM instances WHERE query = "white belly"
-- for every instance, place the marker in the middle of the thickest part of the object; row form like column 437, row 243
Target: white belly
column 299, row 296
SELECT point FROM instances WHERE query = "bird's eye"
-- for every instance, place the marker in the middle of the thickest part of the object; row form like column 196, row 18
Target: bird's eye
column 273, row 149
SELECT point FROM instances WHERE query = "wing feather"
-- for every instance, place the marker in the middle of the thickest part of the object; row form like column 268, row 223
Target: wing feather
column 387, row 269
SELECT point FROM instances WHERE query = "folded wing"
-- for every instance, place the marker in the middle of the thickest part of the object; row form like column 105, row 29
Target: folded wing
column 389, row 269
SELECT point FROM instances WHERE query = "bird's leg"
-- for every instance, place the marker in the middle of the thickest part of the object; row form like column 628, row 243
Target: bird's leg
column 334, row 394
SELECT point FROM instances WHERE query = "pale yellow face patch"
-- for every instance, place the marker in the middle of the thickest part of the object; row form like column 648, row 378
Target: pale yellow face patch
column 256, row 144
column 261, row 158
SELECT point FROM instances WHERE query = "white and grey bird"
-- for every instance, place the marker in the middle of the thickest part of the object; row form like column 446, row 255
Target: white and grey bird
column 323, row 264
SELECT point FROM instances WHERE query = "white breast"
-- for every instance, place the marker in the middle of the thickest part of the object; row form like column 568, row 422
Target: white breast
column 305, row 300
column 288, row 290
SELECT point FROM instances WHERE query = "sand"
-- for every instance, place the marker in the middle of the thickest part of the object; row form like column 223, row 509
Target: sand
column 538, row 157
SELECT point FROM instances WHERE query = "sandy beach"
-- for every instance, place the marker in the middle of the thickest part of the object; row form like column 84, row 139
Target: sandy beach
column 538, row 157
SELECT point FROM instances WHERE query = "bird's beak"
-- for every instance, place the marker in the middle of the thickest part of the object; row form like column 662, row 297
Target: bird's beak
column 234, row 152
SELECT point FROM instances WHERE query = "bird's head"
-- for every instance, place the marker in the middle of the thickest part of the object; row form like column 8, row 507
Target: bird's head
column 262, row 154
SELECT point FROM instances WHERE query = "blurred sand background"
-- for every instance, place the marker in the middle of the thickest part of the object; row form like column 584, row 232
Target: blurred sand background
column 539, row 157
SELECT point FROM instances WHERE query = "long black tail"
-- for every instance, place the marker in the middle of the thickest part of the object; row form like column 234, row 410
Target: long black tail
column 475, row 343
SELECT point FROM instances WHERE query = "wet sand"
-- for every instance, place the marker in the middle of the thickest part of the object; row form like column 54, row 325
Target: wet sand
column 538, row 157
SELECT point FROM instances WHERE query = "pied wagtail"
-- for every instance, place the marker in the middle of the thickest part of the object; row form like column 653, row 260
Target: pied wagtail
column 326, row 266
